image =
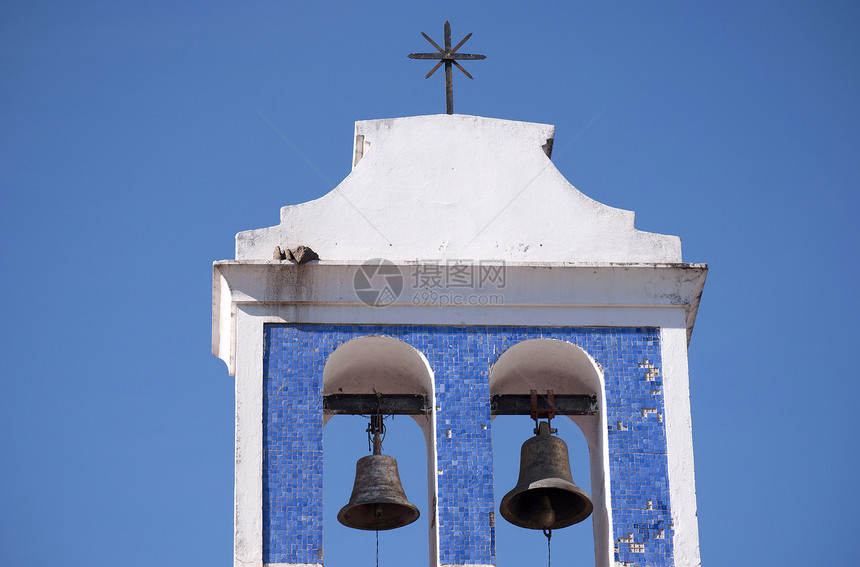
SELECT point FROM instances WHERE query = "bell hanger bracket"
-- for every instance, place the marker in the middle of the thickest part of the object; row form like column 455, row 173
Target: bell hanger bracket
column 376, row 433
column 543, row 413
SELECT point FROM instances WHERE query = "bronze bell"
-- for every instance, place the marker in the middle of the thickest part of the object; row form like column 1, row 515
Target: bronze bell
column 545, row 497
column 378, row 501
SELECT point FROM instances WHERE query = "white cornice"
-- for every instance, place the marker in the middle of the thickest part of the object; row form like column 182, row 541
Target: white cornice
column 533, row 294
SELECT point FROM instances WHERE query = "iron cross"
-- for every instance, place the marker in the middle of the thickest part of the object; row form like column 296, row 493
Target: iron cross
column 449, row 57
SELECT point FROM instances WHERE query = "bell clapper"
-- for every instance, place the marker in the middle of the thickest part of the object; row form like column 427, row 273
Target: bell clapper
column 544, row 514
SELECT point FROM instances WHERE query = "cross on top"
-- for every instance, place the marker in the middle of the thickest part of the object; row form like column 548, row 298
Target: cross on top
column 449, row 57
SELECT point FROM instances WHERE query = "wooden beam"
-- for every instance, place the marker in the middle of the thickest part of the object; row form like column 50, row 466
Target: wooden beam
column 565, row 404
column 417, row 404
column 370, row 404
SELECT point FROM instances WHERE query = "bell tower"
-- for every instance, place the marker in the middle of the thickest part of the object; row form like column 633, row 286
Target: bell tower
column 453, row 276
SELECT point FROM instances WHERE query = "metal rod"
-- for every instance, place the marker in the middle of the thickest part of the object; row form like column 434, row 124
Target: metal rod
column 462, row 41
column 449, row 88
column 376, row 428
column 449, row 76
column 433, row 43
column 460, row 67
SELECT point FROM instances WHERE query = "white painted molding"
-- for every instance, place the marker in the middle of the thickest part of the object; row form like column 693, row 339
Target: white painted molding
column 679, row 446
column 598, row 294
column 248, row 489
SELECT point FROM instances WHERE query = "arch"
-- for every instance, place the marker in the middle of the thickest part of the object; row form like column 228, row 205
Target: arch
column 387, row 364
column 565, row 368
column 376, row 363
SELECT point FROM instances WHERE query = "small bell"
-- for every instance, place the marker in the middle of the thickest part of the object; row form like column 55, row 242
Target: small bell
column 378, row 501
column 545, row 497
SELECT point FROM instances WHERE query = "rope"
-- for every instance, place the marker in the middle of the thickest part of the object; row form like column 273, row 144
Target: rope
column 548, row 534
column 377, row 548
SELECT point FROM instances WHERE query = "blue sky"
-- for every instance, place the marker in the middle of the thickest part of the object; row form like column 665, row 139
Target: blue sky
column 132, row 149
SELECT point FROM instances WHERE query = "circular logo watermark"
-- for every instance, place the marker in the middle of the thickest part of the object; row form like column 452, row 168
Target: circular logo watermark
column 378, row 282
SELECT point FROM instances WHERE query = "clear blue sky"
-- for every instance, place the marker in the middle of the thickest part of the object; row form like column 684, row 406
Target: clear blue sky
column 132, row 149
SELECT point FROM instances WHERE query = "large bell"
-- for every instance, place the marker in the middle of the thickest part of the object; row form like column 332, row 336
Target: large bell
column 545, row 497
column 378, row 501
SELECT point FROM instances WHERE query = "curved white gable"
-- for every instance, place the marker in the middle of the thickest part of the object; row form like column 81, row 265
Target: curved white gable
column 458, row 187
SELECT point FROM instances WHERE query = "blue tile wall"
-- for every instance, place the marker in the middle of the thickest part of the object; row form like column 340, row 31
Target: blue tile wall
column 294, row 357
column 292, row 441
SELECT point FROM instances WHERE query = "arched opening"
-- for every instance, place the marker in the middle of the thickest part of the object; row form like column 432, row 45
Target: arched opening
column 544, row 364
column 517, row 546
column 384, row 365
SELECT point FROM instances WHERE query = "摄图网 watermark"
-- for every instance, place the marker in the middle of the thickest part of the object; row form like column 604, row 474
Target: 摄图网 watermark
column 380, row 283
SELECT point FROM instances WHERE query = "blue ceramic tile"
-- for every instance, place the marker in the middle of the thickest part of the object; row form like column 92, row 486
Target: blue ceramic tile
column 461, row 357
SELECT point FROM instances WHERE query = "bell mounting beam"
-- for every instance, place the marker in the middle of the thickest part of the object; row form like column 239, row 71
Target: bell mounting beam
column 370, row 404
column 417, row 404
column 565, row 404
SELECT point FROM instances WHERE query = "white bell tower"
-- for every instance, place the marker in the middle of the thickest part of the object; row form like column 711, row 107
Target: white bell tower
column 455, row 263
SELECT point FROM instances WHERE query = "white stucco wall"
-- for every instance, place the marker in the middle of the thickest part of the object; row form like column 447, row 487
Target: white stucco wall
column 458, row 187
